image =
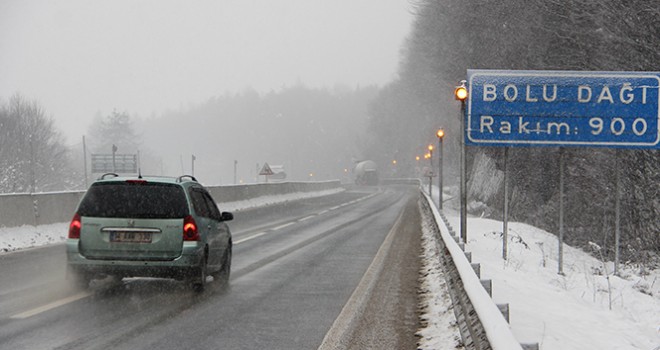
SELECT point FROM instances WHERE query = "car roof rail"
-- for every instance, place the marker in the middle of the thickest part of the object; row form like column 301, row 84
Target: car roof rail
column 180, row 178
column 108, row 174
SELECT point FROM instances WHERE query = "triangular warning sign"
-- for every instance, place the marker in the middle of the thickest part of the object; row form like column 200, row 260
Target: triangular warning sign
column 266, row 170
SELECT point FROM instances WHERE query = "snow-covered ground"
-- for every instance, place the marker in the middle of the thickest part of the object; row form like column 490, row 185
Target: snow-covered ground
column 570, row 311
column 16, row 238
column 439, row 327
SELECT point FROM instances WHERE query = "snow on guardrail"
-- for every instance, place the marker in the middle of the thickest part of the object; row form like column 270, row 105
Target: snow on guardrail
column 495, row 326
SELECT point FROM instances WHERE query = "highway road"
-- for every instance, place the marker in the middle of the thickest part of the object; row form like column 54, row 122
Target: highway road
column 296, row 270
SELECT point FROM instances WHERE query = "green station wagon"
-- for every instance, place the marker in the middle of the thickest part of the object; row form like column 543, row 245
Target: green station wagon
column 149, row 227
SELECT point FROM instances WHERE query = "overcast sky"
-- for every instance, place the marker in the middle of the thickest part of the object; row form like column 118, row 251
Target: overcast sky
column 80, row 57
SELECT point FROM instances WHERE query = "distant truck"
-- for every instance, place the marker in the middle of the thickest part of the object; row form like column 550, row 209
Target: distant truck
column 278, row 173
column 366, row 173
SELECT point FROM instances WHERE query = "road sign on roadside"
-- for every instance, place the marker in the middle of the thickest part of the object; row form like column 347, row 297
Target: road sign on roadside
column 563, row 108
column 266, row 170
column 114, row 163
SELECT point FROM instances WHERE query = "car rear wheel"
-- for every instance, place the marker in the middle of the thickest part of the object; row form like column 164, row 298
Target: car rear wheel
column 199, row 278
column 223, row 274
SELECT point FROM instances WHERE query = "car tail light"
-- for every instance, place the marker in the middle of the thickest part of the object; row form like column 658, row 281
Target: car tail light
column 190, row 232
column 74, row 226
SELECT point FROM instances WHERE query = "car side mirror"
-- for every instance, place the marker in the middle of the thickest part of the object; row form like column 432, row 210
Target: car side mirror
column 227, row 216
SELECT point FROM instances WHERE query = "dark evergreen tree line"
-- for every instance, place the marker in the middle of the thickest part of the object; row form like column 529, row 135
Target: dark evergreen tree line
column 451, row 36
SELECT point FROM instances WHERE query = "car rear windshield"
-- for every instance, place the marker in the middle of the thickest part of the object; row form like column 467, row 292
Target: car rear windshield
column 134, row 200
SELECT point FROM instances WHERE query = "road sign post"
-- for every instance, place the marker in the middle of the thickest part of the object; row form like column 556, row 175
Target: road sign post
column 563, row 109
column 505, row 226
column 266, row 171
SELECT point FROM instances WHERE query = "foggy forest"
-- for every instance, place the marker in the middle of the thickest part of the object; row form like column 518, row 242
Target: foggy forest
column 318, row 134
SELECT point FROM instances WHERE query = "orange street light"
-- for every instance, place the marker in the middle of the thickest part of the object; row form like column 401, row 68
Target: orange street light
column 461, row 94
column 461, row 91
column 440, row 133
column 430, row 170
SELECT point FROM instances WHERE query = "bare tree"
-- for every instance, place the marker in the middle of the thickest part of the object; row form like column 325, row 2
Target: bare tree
column 33, row 156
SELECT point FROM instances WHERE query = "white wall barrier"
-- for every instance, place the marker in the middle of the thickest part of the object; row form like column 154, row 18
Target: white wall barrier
column 51, row 207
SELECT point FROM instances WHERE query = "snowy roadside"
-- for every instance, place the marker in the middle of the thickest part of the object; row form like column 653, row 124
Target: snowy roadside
column 559, row 312
column 570, row 311
column 439, row 328
column 22, row 237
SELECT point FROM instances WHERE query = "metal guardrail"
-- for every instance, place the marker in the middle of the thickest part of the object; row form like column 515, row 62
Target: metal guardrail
column 482, row 324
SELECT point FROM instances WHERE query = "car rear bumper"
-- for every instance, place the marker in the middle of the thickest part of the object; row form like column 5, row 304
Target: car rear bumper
column 181, row 267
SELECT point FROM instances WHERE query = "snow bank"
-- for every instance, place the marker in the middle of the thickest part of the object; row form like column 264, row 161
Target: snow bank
column 497, row 330
column 439, row 329
column 570, row 311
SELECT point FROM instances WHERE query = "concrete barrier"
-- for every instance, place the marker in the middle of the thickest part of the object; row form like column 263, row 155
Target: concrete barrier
column 233, row 193
column 52, row 207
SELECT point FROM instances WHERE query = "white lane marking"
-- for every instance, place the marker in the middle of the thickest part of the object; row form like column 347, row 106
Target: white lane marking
column 306, row 218
column 82, row 295
column 51, row 306
column 283, row 226
column 251, row 237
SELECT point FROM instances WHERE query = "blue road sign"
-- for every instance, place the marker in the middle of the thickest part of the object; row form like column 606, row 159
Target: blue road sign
column 563, row 108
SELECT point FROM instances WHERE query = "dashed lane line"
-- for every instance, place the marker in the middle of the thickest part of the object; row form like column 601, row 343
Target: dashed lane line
column 51, row 306
column 283, row 226
column 81, row 295
column 251, row 237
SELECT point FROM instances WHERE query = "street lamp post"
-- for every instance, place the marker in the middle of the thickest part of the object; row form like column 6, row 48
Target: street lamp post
column 461, row 94
column 431, row 171
column 235, row 166
column 440, row 134
column 114, row 152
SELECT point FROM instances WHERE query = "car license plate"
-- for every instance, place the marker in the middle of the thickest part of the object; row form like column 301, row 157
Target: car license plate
column 130, row 237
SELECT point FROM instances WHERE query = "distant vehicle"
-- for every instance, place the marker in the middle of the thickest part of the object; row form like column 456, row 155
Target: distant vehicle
column 366, row 173
column 278, row 173
column 149, row 227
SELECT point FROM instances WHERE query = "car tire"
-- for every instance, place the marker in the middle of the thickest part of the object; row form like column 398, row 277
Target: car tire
column 199, row 277
column 223, row 275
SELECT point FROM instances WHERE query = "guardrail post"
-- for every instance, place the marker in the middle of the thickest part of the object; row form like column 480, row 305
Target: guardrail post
column 504, row 309
column 35, row 208
column 477, row 269
column 488, row 286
